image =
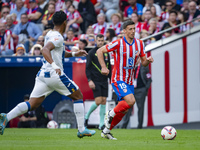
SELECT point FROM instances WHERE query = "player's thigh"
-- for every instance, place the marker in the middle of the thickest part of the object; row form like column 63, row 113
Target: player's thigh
column 40, row 89
column 66, row 86
column 97, row 91
column 104, row 89
column 122, row 89
column 130, row 99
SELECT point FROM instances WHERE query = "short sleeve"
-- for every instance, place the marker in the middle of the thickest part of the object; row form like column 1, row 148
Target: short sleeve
column 56, row 40
column 142, row 49
column 76, row 15
column 112, row 46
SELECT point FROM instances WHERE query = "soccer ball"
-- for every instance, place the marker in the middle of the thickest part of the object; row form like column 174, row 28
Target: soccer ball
column 168, row 133
column 52, row 125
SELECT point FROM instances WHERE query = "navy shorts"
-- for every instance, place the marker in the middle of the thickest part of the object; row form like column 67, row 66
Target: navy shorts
column 122, row 89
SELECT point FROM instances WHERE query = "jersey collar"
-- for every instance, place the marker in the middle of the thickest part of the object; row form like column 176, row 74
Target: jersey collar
column 128, row 43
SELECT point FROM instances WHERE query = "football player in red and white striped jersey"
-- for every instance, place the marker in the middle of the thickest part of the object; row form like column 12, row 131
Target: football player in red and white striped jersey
column 126, row 51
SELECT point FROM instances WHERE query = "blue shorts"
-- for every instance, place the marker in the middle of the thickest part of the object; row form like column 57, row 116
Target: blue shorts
column 122, row 89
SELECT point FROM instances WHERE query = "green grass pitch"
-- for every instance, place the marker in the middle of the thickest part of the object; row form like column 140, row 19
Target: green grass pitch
column 66, row 139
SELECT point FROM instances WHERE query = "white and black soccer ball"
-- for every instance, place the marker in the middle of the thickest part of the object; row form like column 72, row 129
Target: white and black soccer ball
column 168, row 133
column 52, row 124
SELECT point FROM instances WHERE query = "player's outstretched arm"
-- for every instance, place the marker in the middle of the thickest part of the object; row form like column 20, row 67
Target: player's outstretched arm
column 78, row 53
column 100, row 51
column 145, row 61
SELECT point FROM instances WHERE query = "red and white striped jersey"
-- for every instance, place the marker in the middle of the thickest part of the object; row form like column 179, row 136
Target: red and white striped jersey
column 116, row 27
column 125, row 57
column 138, row 27
column 164, row 16
column 99, row 29
column 10, row 45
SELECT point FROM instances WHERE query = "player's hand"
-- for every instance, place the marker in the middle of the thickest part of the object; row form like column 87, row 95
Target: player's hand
column 81, row 53
column 150, row 59
column 104, row 71
column 91, row 84
column 58, row 71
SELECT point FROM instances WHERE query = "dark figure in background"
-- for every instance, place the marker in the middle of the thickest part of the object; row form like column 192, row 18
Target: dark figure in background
column 142, row 82
column 33, row 119
column 87, row 11
column 28, row 120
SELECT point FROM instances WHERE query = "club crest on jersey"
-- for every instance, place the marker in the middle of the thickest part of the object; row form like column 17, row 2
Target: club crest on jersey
column 130, row 61
column 125, row 90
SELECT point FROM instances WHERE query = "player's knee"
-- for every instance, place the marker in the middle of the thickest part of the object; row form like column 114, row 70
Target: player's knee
column 132, row 102
column 103, row 102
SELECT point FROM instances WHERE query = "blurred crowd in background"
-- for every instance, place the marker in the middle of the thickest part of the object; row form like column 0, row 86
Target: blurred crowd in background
column 24, row 23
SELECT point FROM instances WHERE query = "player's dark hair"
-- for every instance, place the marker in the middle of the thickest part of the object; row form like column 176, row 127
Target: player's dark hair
column 59, row 17
column 127, row 23
column 99, row 36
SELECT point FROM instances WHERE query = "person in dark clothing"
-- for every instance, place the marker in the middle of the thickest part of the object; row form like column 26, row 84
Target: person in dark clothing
column 172, row 22
column 34, row 119
column 97, row 82
column 87, row 12
column 142, row 82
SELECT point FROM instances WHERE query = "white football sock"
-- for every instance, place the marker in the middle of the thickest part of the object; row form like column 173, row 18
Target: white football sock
column 106, row 130
column 112, row 113
column 20, row 109
column 79, row 112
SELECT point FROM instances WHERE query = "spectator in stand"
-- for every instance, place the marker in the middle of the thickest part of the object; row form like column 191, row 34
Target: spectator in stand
column 154, row 28
column 73, row 18
column 138, row 25
column 19, row 10
column 27, row 32
column 167, row 33
column 193, row 11
column 110, row 7
column 9, row 23
column 175, row 6
column 144, row 34
column 20, row 50
column 121, row 35
column 12, row 5
column 116, row 23
column 59, row 4
column 67, row 4
column 110, row 35
column 91, row 40
column 82, row 44
column 87, row 12
column 43, row 4
column 4, row 12
column 35, row 14
column 168, row 7
column 40, row 40
column 153, row 12
column 71, row 40
column 36, row 50
column 89, row 31
column 47, row 18
column 133, row 7
column 172, row 22
column 7, row 44
column 182, row 17
column 101, row 26
column 185, row 7
column 147, row 16
column 148, row 5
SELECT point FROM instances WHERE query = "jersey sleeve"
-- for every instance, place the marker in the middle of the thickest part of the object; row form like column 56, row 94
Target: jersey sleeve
column 77, row 15
column 57, row 40
column 142, row 49
column 112, row 46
